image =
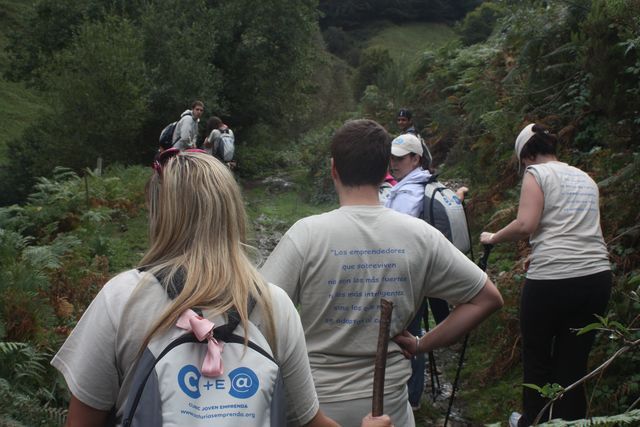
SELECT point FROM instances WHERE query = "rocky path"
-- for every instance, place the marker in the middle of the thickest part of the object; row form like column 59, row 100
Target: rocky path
column 435, row 400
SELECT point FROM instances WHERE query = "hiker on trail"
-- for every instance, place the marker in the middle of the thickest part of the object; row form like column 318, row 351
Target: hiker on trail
column 212, row 133
column 568, row 278
column 186, row 131
column 196, row 233
column 405, row 124
column 220, row 140
column 404, row 120
column 338, row 265
column 407, row 154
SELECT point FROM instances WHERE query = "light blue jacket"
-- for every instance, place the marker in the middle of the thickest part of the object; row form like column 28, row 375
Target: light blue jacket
column 407, row 196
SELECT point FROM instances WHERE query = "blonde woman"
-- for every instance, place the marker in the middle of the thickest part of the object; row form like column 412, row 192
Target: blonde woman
column 196, row 235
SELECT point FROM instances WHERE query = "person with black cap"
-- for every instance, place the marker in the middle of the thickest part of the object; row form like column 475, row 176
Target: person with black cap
column 405, row 121
column 405, row 124
column 568, row 277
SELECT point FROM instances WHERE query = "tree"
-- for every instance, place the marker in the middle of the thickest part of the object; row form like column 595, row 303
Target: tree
column 266, row 57
column 478, row 25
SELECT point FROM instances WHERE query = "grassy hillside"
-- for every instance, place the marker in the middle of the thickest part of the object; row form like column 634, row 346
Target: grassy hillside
column 405, row 41
column 18, row 105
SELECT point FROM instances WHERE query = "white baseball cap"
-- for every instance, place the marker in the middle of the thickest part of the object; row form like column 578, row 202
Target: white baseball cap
column 405, row 144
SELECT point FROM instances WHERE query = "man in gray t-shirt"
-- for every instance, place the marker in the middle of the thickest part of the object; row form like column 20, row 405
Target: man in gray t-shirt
column 337, row 266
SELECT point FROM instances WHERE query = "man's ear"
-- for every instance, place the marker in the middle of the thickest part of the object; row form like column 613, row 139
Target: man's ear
column 334, row 172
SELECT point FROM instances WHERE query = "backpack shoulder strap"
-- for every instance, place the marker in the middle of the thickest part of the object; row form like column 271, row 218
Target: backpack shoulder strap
column 433, row 178
column 223, row 332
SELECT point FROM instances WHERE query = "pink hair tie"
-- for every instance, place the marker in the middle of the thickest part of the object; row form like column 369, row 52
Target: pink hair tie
column 203, row 329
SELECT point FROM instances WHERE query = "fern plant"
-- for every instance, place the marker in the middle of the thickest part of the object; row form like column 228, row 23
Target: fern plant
column 29, row 391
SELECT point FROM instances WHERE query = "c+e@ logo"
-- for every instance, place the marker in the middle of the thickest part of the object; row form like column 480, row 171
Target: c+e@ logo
column 244, row 382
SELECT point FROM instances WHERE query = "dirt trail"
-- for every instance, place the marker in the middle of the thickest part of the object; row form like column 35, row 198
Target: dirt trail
column 434, row 405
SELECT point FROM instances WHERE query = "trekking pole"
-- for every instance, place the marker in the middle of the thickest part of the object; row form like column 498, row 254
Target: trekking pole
column 386, row 308
column 433, row 373
column 483, row 266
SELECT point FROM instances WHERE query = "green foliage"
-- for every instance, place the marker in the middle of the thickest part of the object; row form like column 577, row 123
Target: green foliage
column 373, row 64
column 571, row 66
column 180, row 45
column 55, row 253
column 44, row 29
column 267, row 56
column 115, row 73
column 355, row 13
column 627, row 418
column 340, row 43
column 407, row 41
column 548, row 391
column 29, row 393
column 478, row 24
column 98, row 88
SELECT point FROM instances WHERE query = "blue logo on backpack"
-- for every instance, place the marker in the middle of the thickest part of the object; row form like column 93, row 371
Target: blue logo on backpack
column 244, row 383
column 188, row 379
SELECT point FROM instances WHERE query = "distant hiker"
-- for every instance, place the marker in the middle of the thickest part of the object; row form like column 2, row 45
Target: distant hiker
column 196, row 215
column 186, row 130
column 568, row 278
column 220, row 140
column 404, row 120
column 405, row 124
column 338, row 265
column 407, row 153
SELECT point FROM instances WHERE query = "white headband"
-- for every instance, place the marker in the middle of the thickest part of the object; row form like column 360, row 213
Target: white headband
column 524, row 137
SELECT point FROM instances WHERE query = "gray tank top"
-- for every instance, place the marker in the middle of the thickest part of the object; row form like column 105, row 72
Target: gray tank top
column 568, row 241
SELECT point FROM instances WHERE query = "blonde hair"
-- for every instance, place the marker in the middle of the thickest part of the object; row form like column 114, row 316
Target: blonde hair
column 197, row 229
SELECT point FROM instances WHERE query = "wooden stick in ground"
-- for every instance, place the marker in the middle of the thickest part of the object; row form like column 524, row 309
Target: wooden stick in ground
column 386, row 308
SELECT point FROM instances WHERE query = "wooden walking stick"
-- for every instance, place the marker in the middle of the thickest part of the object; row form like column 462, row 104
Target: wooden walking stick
column 386, row 308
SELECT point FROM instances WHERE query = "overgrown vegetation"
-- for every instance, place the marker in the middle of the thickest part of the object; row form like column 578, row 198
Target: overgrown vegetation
column 114, row 73
column 56, row 252
column 571, row 66
column 574, row 66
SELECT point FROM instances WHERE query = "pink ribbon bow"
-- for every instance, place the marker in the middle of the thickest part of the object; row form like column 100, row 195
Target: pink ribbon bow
column 203, row 328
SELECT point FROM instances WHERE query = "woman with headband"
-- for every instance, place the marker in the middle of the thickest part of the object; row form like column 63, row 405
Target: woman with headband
column 568, row 278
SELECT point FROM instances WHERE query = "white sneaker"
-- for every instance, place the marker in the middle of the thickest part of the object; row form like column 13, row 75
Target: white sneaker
column 514, row 418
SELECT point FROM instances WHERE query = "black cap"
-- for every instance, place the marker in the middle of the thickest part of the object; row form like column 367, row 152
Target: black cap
column 404, row 113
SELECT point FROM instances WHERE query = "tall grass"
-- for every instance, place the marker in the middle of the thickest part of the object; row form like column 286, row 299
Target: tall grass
column 405, row 42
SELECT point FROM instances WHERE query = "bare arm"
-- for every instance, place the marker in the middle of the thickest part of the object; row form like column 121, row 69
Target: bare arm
column 461, row 320
column 82, row 415
column 529, row 214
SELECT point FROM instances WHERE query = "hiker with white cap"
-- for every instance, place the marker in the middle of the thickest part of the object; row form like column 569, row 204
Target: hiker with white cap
column 568, row 278
column 407, row 196
column 406, row 158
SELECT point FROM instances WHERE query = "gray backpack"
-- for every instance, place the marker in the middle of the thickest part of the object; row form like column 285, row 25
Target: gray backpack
column 168, row 387
column 444, row 210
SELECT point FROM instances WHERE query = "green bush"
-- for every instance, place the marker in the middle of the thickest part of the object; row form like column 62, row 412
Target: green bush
column 478, row 25
column 373, row 63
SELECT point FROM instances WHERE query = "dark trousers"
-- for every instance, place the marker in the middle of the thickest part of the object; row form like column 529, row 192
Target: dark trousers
column 551, row 351
column 440, row 309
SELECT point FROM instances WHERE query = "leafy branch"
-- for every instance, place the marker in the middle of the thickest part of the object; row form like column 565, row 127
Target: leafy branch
column 616, row 331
